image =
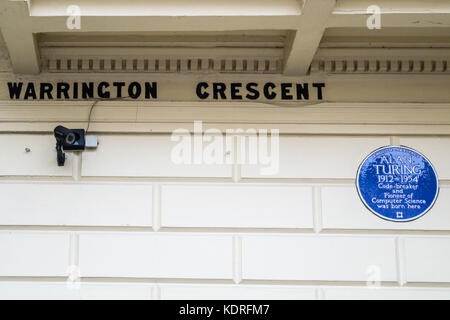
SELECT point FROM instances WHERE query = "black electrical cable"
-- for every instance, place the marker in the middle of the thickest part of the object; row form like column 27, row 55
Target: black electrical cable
column 94, row 104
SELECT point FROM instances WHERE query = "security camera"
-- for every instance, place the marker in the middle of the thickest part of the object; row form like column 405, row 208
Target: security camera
column 68, row 140
column 71, row 140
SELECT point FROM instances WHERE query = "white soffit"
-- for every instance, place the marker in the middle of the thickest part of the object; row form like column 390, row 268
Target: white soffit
column 293, row 37
column 392, row 6
column 388, row 50
column 168, row 7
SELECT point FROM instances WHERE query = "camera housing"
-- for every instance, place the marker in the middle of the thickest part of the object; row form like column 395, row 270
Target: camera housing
column 68, row 140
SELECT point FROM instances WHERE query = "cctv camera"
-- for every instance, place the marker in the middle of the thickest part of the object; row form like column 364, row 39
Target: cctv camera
column 68, row 140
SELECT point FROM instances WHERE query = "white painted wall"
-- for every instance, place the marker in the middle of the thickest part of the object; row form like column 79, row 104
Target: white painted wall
column 211, row 231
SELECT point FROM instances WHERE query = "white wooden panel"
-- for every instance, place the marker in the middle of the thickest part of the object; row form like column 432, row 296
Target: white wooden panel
column 76, row 204
column 140, row 255
column 39, row 161
column 343, row 209
column 33, row 254
column 361, row 293
column 325, row 258
column 115, row 291
column 320, row 157
column 427, row 259
column 436, row 149
column 14, row 290
column 41, row 290
column 142, row 155
column 249, row 206
column 164, row 116
column 235, row 292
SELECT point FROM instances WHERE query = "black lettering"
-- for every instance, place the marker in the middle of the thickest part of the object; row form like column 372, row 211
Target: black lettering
column 219, row 89
column 286, row 91
column 201, row 90
column 268, row 91
column 119, row 86
column 151, row 90
column 253, row 93
column 235, row 91
column 319, row 87
column 30, row 92
column 62, row 88
column 15, row 89
column 134, row 90
column 75, row 90
column 101, row 90
column 87, row 90
column 45, row 89
column 302, row 91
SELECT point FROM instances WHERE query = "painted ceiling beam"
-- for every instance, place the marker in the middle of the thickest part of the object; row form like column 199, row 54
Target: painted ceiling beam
column 304, row 43
column 19, row 37
column 390, row 20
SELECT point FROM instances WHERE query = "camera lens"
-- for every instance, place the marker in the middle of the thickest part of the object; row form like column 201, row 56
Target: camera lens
column 71, row 138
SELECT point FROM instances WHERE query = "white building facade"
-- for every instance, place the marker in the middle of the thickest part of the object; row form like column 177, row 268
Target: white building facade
column 230, row 137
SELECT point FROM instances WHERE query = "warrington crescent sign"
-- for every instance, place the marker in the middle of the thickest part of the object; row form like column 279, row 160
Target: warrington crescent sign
column 246, row 91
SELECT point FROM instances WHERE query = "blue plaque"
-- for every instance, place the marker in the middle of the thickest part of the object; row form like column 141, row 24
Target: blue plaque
column 397, row 184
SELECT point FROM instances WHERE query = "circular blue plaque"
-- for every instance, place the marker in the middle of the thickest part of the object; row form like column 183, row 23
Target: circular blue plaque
column 397, row 184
